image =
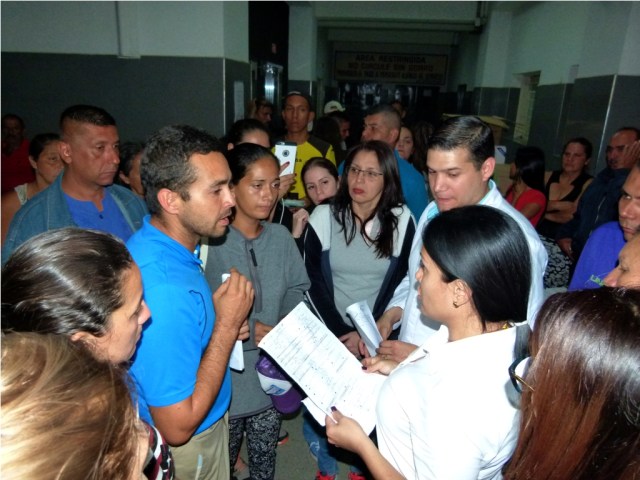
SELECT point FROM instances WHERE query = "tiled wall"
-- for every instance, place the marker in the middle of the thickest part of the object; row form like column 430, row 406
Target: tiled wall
column 142, row 94
column 591, row 107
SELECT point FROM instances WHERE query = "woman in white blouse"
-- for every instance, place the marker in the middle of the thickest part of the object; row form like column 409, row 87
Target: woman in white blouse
column 449, row 410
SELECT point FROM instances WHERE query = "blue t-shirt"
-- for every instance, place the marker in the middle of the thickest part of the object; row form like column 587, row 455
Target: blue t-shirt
column 166, row 362
column 110, row 219
column 599, row 257
column 412, row 183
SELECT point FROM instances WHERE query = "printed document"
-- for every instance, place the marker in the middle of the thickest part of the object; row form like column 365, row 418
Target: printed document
column 323, row 367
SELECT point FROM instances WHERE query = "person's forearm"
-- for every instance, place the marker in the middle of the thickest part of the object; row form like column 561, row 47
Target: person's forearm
column 558, row 217
column 530, row 210
column 212, row 370
column 554, row 206
column 387, row 321
column 378, row 466
column 178, row 422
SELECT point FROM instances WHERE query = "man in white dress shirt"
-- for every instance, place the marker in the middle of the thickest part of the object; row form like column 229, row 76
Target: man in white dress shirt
column 460, row 163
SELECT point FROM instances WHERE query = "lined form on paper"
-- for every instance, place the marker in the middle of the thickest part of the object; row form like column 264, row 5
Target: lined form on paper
column 323, row 367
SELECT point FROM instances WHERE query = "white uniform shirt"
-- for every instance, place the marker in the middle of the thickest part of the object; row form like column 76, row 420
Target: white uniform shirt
column 447, row 412
column 414, row 326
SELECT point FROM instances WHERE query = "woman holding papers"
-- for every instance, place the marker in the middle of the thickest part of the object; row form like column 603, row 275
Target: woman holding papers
column 449, row 410
column 266, row 254
column 356, row 249
column 358, row 246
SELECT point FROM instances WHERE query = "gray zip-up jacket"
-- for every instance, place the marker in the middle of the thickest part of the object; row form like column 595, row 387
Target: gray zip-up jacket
column 274, row 265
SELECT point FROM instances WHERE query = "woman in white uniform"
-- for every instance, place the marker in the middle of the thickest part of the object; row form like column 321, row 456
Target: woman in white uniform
column 449, row 410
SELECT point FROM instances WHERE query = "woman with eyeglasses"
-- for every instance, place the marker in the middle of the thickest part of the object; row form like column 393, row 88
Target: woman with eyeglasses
column 356, row 249
column 581, row 396
column 449, row 411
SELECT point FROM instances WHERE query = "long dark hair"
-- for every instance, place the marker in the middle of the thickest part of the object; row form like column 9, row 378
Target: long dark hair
column 421, row 131
column 485, row 248
column 530, row 167
column 391, row 197
column 64, row 281
column 128, row 152
column 582, row 421
column 240, row 128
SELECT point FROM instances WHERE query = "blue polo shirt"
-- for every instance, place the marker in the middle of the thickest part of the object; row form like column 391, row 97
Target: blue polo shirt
column 173, row 341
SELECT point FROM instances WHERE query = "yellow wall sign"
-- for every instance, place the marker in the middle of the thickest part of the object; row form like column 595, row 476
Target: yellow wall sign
column 414, row 69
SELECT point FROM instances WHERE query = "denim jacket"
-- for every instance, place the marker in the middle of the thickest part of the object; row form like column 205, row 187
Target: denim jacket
column 48, row 210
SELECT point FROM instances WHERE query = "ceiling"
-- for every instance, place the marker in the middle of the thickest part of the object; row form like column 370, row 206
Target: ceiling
column 405, row 22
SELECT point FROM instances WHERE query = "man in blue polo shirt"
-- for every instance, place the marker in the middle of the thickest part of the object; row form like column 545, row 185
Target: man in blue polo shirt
column 181, row 365
column 84, row 194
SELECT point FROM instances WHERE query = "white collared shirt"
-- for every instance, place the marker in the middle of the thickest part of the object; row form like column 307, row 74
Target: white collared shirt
column 415, row 328
column 448, row 411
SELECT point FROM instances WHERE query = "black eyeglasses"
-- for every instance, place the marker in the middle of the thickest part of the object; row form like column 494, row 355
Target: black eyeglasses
column 517, row 371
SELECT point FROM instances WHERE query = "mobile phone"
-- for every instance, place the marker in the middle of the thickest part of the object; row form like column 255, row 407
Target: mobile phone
column 286, row 152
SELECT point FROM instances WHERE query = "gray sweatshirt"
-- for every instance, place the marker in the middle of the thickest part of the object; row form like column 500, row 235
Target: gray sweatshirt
column 273, row 263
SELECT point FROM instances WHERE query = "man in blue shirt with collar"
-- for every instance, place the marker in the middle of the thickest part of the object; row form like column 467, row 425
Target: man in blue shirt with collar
column 181, row 365
column 84, row 194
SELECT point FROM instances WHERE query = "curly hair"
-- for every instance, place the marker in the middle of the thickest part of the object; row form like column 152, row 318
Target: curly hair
column 166, row 161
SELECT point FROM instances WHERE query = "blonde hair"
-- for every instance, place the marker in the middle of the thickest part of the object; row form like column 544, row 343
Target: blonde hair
column 65, row 415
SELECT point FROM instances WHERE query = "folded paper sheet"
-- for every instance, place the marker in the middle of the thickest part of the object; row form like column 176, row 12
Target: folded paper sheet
column 362, row 318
